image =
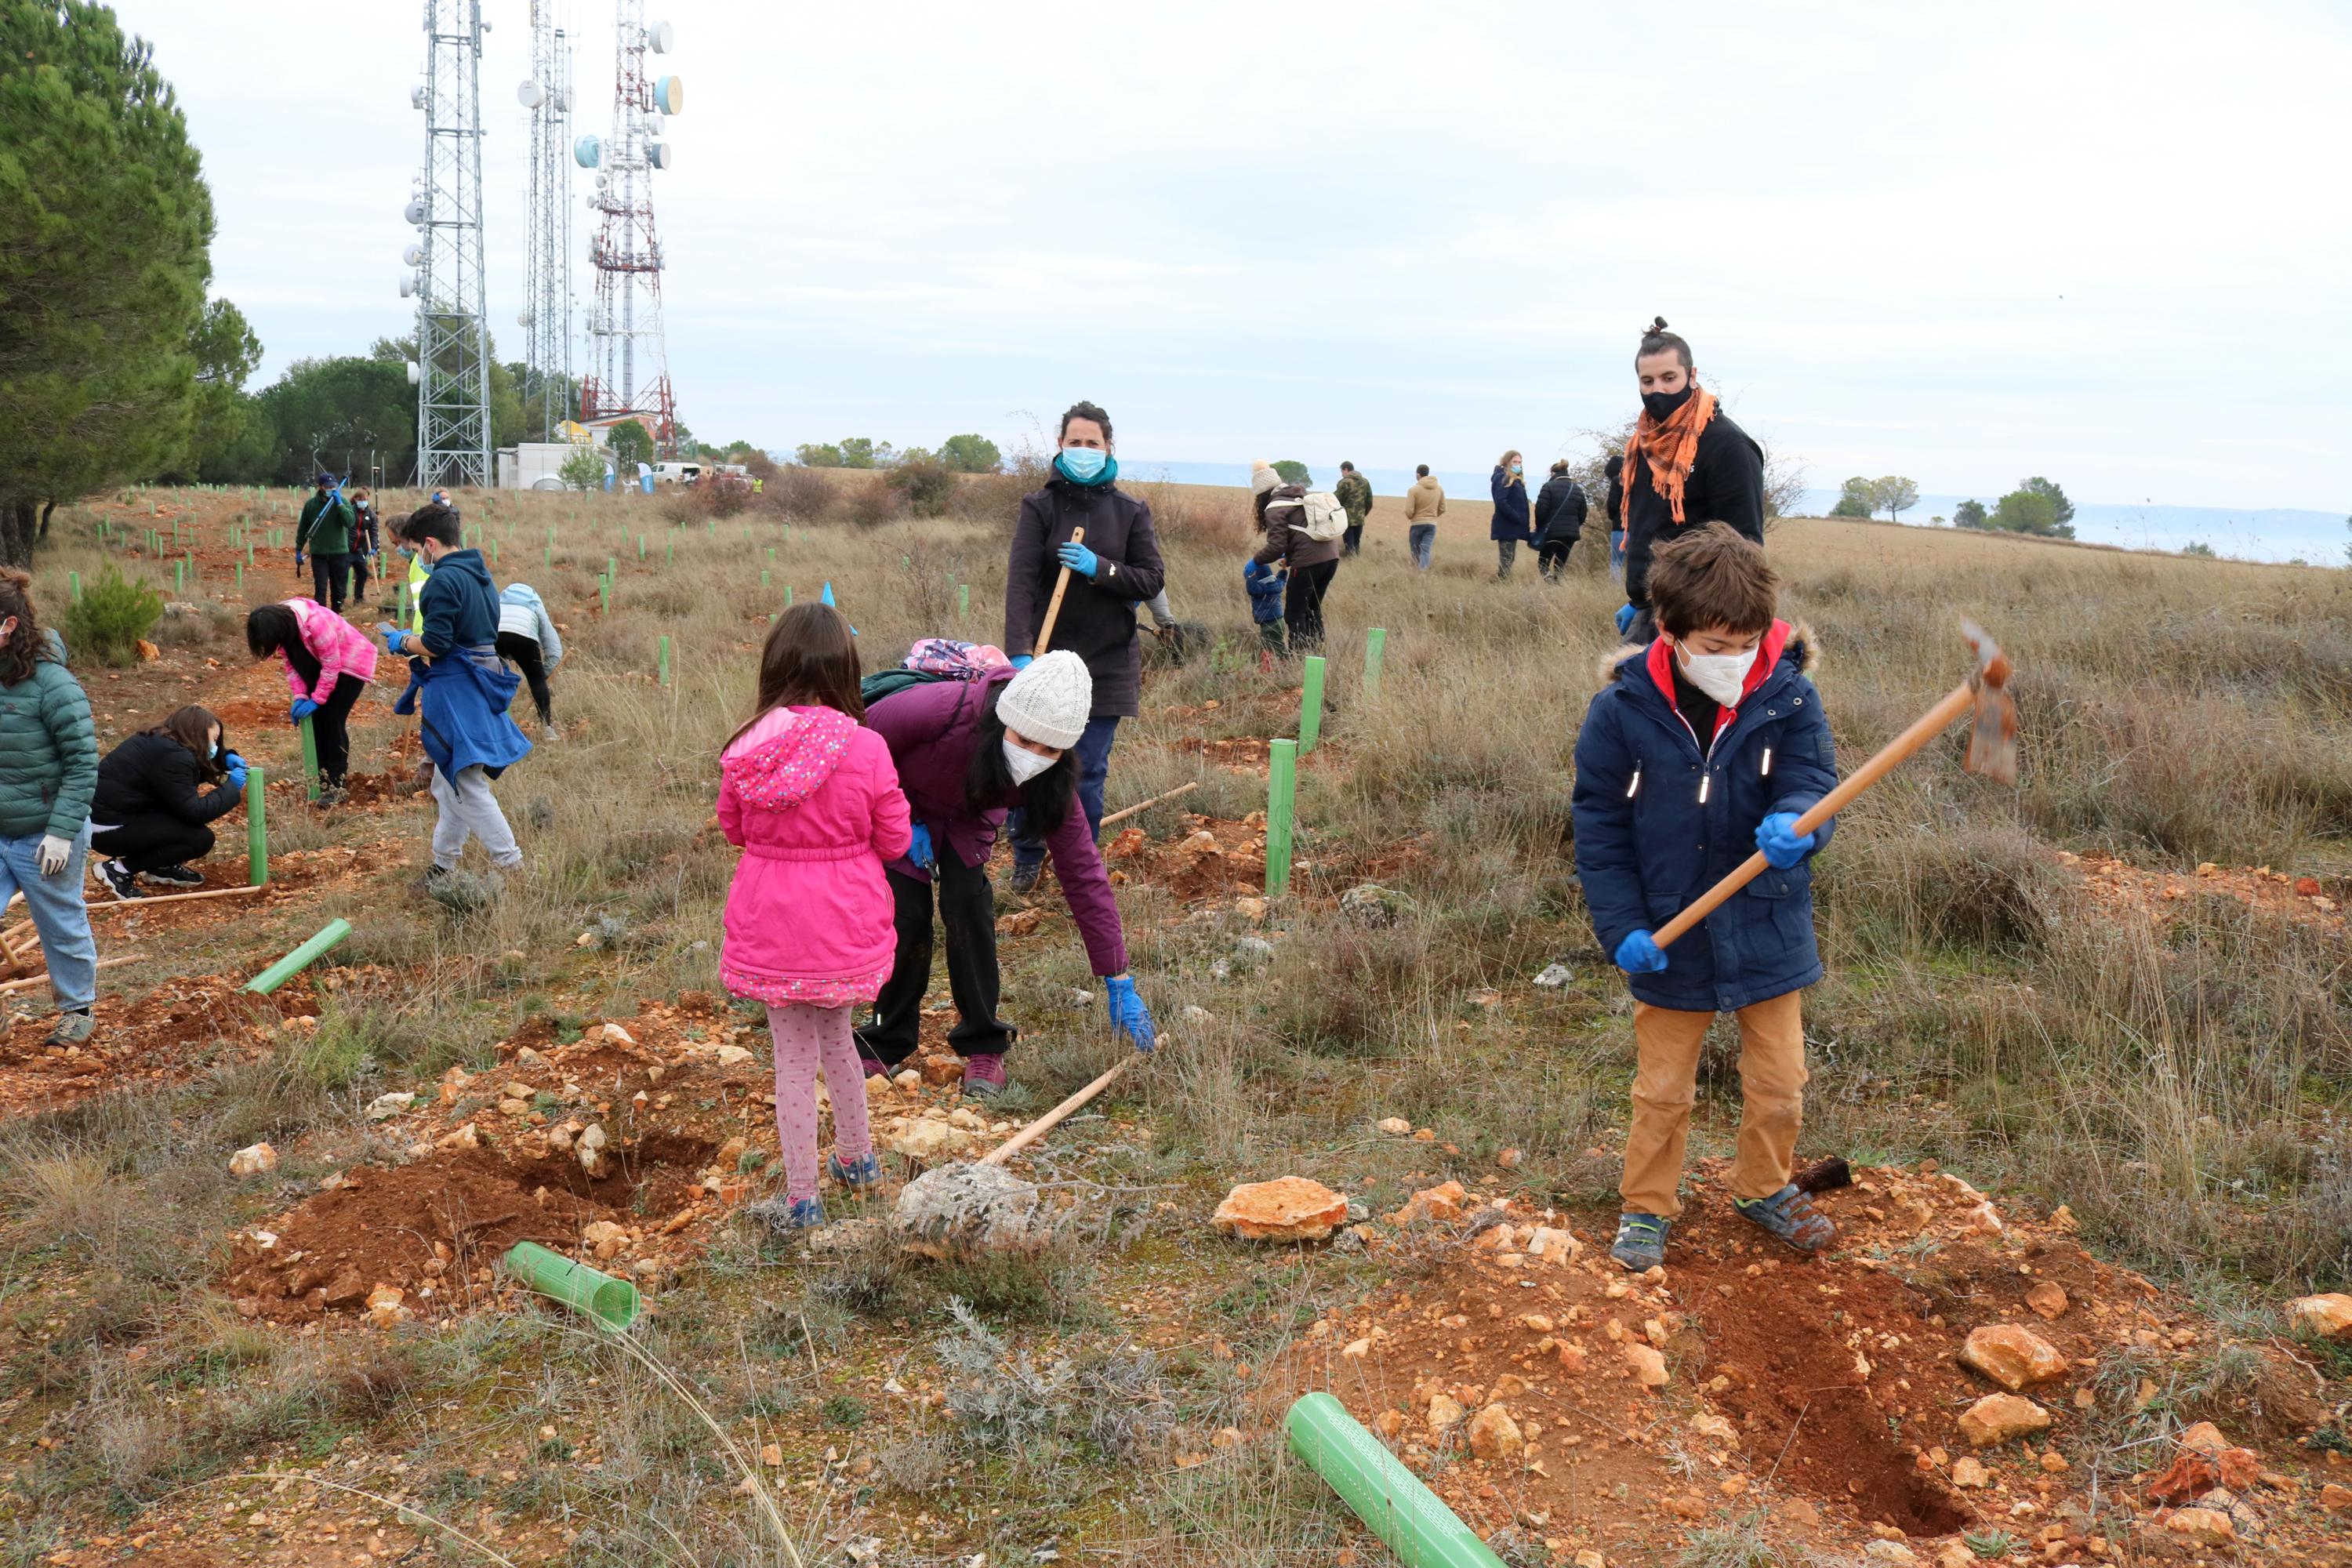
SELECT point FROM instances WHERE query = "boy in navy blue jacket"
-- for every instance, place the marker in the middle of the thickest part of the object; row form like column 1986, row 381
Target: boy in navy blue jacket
column 1703, row 747
column 462, row 685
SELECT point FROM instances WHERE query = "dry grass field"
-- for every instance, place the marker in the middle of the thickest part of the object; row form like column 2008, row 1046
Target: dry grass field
column 2116, row 1000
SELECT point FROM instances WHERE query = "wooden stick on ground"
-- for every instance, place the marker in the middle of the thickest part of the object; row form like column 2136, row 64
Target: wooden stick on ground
column 238, row 893
column 1054, row 1118
column 43, row 978
column 1053, row 605
column 1125, row 812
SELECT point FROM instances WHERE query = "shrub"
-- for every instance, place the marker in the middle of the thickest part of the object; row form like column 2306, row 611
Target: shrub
column 113, row 615
column 929, row 488
column 871, row 506
column 800, row 493
column 989, row 498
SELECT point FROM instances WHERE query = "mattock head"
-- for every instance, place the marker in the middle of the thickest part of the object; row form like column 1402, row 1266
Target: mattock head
column 1992, row 735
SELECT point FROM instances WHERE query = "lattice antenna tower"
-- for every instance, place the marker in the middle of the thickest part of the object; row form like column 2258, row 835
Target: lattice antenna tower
column 546, row 318
column 628, row 362
column 452, row 369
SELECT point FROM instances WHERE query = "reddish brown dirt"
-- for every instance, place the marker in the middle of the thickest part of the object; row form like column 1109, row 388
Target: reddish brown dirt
column 172, row 1032
column 2166, row 896
column 1209, row 859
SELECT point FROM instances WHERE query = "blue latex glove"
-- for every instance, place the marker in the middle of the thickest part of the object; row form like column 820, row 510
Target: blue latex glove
column 236, row 773
column 919, row 848
column 1777, row 837
column 1638, row 954
column 1625, row 619
column 1128, row 1013
column 1021, row 660
column 1079, row 559
column 301, row 708
column 298, row 561
column 394, row 639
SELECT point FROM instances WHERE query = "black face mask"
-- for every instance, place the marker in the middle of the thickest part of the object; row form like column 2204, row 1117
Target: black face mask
column 1662, row 404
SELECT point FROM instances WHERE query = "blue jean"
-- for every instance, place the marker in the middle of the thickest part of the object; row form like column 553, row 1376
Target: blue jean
column 1617, row 554
column 1423, row 537
column 60, row 916
column 1094, row 767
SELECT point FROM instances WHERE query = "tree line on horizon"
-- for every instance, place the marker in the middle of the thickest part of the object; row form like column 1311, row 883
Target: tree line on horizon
column 2037, row 506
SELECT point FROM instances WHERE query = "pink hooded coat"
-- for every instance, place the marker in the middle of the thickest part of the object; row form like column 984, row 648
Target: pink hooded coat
column 813, row 800
column 341, row 649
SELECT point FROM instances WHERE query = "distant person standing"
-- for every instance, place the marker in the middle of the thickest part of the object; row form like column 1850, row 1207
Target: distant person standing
column 1560, row 521
column 1355, row 497
column 1687, row 464
column 1425, row 503
column 1309, row 563
column 367, row 542
column 1115, row 567
column 1616, row 515
column 1511, row 525
column 324, row 529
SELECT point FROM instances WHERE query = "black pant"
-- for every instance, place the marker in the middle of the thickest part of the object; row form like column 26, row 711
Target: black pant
column 968, row 909
column 523, row 653
column 152, row 843
column 328, row 574
column 1302, row 604
column 359, row 577
column 1551, row 557
column 331, row 731
column 1352, row 541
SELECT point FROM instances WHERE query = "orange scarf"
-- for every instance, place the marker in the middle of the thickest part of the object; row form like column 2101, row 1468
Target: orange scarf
column 1670, row 449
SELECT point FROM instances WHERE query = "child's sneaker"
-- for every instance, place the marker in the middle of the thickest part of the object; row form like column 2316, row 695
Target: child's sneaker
column 983, row 1075
column 864, row 1172
column 784, row 1216
column 120, row 877
column 875, row 1066
column 1641, row 1244
column 1789, row 1214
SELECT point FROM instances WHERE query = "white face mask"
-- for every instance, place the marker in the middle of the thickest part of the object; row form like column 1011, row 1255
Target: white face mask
column 1722, row 676
column 1026, row 764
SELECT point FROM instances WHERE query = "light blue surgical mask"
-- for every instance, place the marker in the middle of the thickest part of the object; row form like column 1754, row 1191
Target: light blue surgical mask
column 1087, row 465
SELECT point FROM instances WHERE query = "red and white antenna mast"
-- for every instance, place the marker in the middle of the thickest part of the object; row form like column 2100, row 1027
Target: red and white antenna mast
column 629, row 363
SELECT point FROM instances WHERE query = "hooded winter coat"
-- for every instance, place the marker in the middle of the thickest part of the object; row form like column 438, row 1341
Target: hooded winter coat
column 1662, row 815
column 1097, row 617
column 523, row 612
column 813, row 801
column 1286, row 538
column 1560, row 511
column 48, row 753
column 931, row 731
column 1726, row 485
column 1510, row 493
column 1425, row 501
column 463, row 692
column 342, row 650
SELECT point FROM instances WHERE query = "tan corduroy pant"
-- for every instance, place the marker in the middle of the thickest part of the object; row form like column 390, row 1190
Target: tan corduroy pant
column 1772, row 1090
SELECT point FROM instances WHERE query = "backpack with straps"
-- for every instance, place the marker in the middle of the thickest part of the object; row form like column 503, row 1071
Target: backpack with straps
column 1325, row 518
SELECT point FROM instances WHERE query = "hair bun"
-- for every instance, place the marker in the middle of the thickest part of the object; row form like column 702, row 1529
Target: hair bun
column 1657, row 325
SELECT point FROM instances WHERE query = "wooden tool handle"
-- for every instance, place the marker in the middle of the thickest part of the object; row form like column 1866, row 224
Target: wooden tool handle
column 1928, row 726
column 1125, row 812
column 1053, row 607
column 1054, row 1118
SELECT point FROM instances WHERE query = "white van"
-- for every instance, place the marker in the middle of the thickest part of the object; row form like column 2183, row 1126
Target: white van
column 679, row 473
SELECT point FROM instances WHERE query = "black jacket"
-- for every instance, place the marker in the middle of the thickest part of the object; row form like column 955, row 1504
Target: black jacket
column 1098, row 618
column 154, row 775
column 1560, row 511
column 1726, row 485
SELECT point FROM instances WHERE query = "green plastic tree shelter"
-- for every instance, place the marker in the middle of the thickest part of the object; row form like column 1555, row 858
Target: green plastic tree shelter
column 1310, row 704
column 256, row 828
column 310, row 758
column 610, row 1302
column 1281, row 782
column 1423, row 1531
column 301, row 958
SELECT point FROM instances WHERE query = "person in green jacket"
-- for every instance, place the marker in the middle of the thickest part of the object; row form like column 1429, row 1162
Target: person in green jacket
column 325, row 531
column 1354, row 494
column 49, row 772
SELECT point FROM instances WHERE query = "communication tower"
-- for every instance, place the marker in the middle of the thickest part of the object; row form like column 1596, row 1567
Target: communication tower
column 546, row 318
column 629, row 364
column 452, row 369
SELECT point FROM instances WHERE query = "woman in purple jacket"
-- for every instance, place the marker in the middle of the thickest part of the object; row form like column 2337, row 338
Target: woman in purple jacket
column 968, row 752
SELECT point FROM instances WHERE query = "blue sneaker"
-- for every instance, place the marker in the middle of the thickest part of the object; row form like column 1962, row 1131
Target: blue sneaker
column 864, row 1171
column 1789, row 1214
column 1641, row 1244
column 780, row 1216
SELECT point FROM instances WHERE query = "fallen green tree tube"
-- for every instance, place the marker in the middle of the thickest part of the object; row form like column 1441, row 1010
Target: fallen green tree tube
column 301, row 958
column 611, row 1302
column 1423, row 1531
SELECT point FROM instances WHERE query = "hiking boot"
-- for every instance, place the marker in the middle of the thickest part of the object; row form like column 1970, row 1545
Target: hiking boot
column 863, row 1172
column 72, row 1030
column 782, row 1217
column 1641, row 1244
column 119, row 877
column 175, row 876
column 1024, row 877
column 983, row 1075
column 1789, row 1214
column 332, row 795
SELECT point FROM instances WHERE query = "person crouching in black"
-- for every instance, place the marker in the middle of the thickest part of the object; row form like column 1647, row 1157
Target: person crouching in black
column 157, row 792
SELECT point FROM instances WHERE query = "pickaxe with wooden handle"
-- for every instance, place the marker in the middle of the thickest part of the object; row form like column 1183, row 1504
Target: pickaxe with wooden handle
column 1993, row 752
column 1053, row 605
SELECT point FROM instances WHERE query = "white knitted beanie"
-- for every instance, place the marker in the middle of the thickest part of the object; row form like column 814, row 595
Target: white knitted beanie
column 1262, row 476
column 1050, row 702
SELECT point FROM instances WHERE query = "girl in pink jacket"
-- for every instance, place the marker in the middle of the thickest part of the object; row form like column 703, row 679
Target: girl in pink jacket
column 329, row 662
column 811, row 798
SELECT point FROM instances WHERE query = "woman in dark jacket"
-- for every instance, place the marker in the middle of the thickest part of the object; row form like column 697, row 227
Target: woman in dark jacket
column 1560, row 521
column 968, row 752
column 1508, row 486
column 1115, row 568
column 155, row 792
column 1687, row 464
column 1311, row 562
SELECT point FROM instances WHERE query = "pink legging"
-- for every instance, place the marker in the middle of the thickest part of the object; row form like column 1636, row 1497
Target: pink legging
column 805, row 1036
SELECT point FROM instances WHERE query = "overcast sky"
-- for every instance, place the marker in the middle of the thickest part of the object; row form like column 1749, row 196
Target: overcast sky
column 2107, row 242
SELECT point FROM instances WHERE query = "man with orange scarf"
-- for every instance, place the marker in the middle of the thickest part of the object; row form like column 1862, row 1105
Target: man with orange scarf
column 1687, row 464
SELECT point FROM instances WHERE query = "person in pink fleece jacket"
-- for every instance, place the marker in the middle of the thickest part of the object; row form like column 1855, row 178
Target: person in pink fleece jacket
column 329, row 662
column 811, row 798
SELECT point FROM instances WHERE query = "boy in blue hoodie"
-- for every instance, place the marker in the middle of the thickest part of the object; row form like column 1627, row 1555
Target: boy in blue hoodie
column 1701, row 748
column 463, row 688
column 1266, row 590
